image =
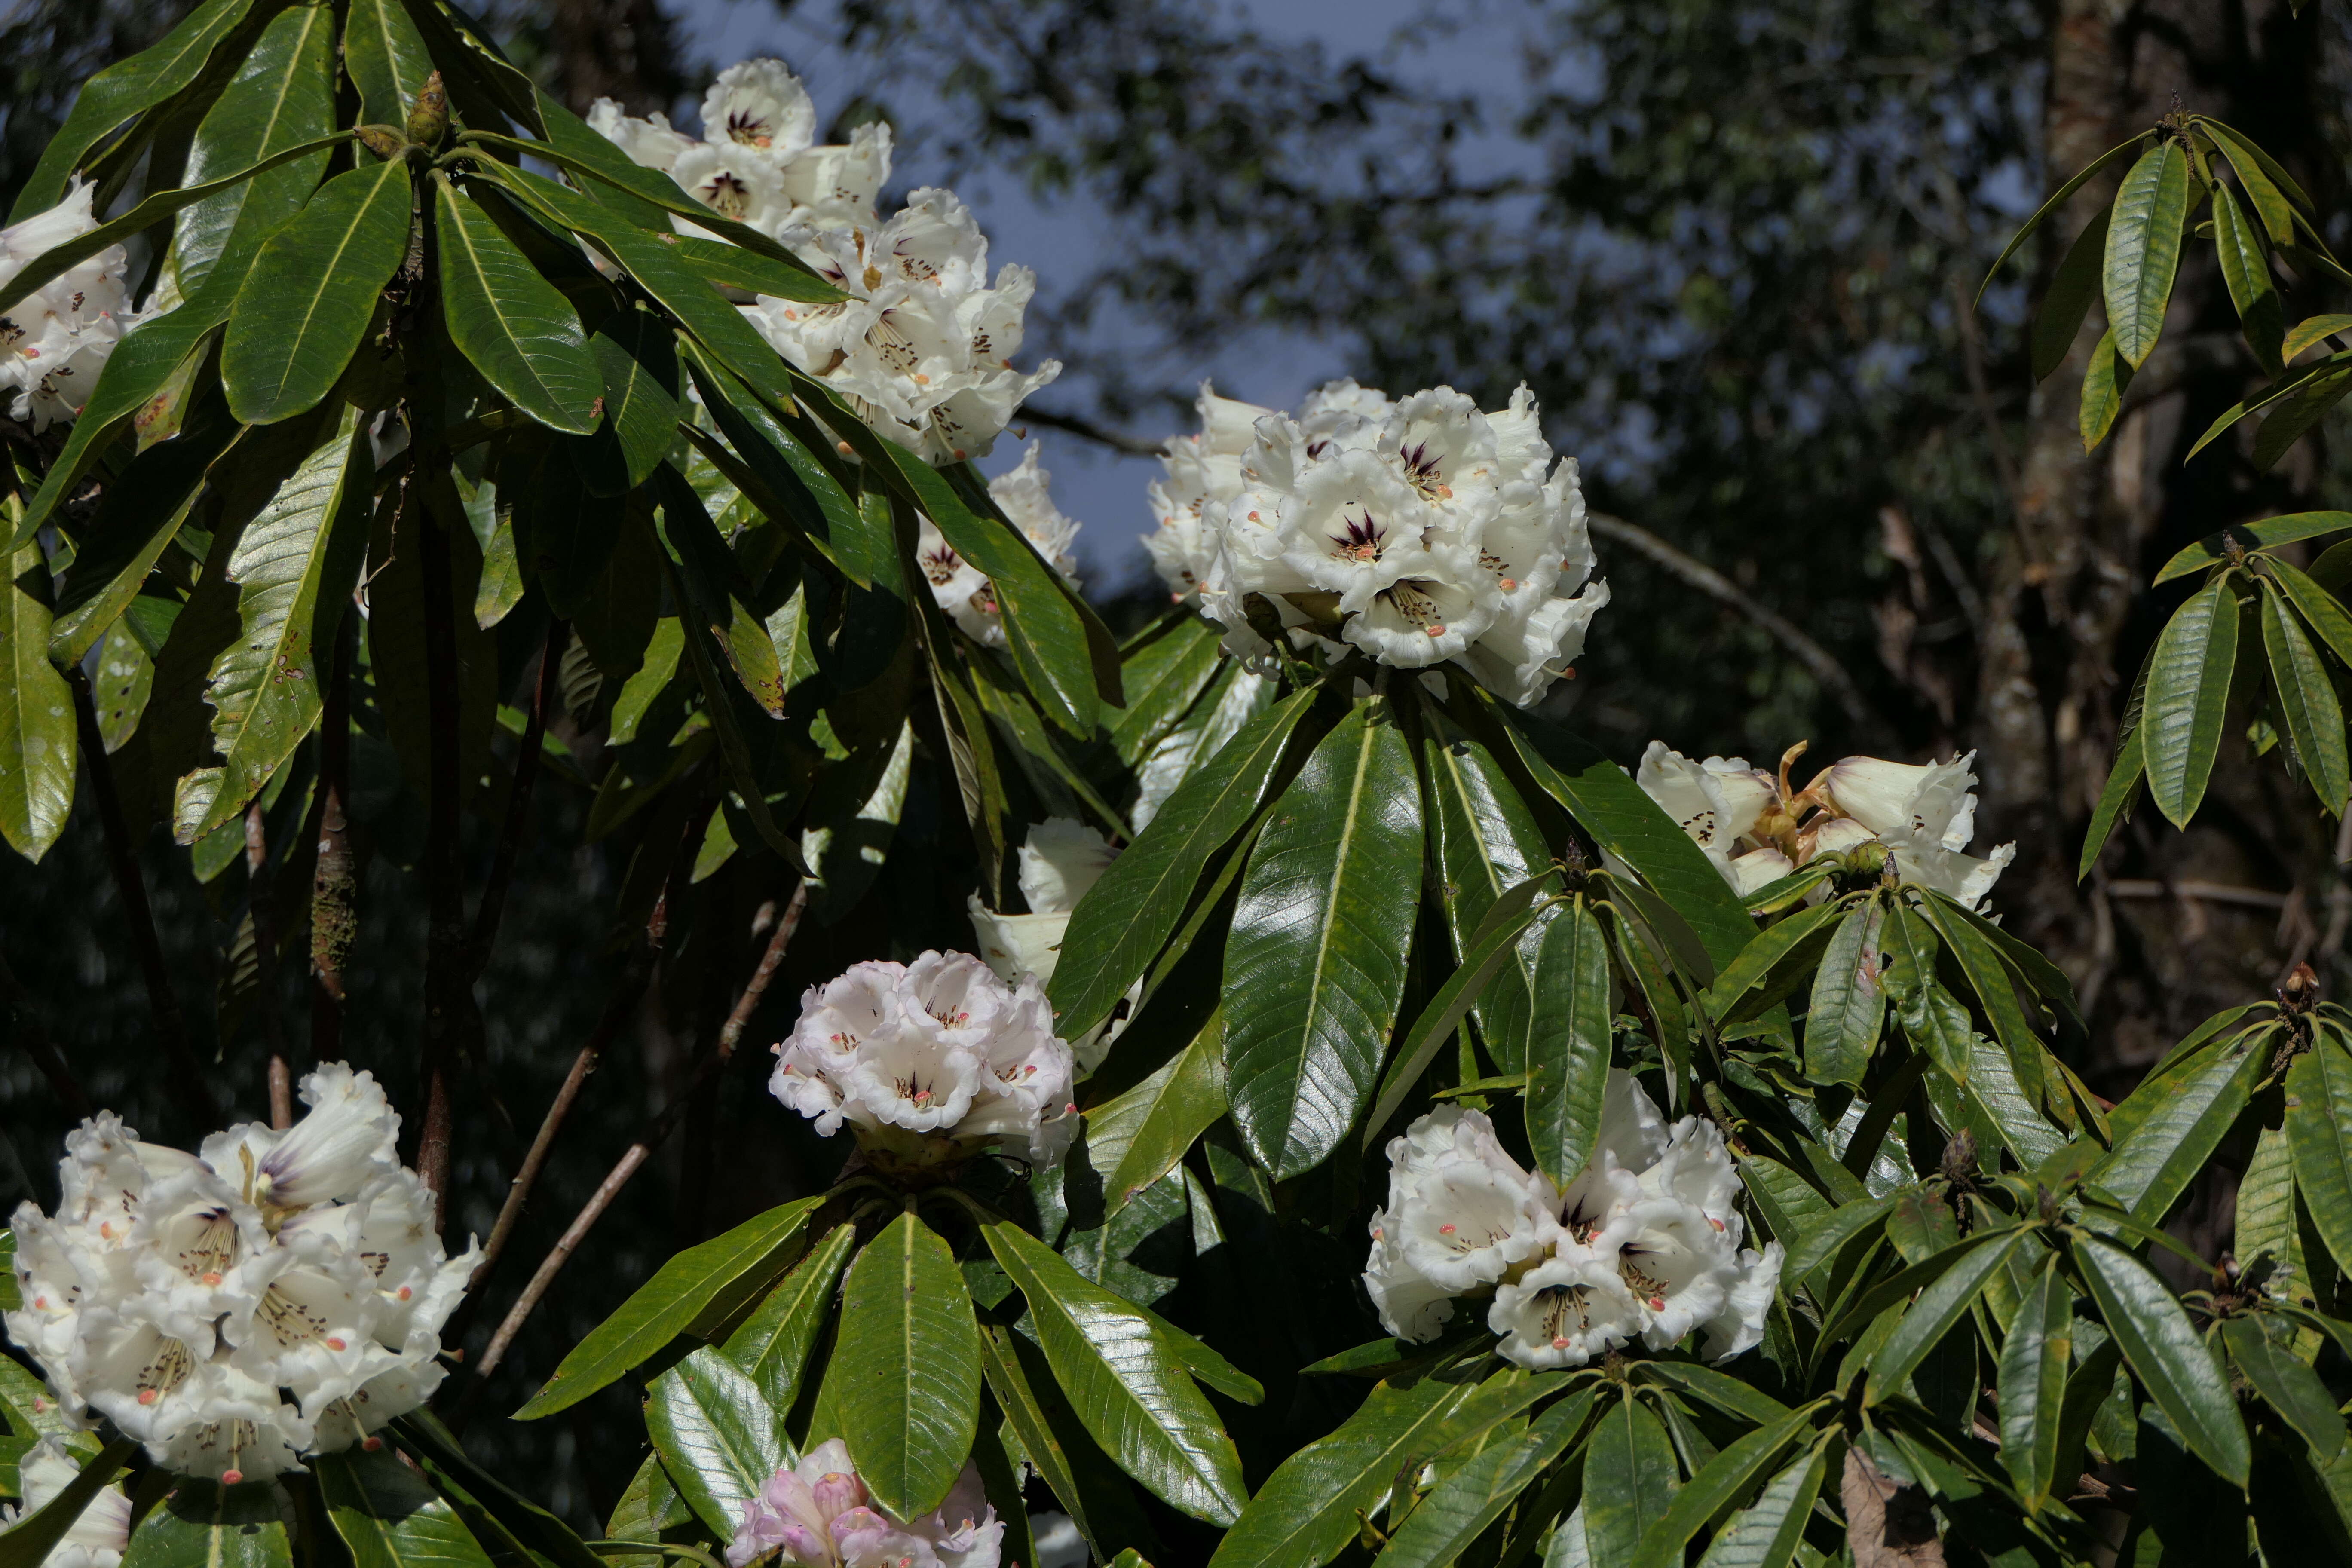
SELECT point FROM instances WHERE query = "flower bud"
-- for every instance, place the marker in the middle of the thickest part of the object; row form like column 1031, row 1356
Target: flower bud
column 428, row 117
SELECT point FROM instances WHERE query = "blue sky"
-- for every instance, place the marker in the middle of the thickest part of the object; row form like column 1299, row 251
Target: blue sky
column 1101, row 490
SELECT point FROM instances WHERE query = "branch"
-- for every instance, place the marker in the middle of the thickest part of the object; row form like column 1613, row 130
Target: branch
column 1816, row 659
column 334, row 878
column 447, row 981
column 163, row 1006
column 484, row 934
column 259, row 905
column 654, row 1133
column 1087, row 429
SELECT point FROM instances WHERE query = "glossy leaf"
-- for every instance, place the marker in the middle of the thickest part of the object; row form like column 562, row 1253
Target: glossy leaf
column 2188, row 698
column 1773, row 963
column 2115, row 799
column 2314, row 330
column 1475, row 1494
column 1159, row 1119
column 2323, row 373
column 1929, row 1317
column 2033, row 1364
column 38, row 740
column 909, row 1353
column 511, row 322
column 1828, row 1234
column 307, row 303
column 1722, row 1390
column 2247, row 271
column 1120, row 925
column 1567, row 1047
column 2290, row 1387
column 666, row 1304
column 2178, row 1117
column 2104, row 382
column 1489, row 950
column 1133, row 1394
column 282, row 96
column 2262, row 537
column 386, row 59
column 2151, row 207
column 1848, row 1008
column 2056, row 200
column 2298, row 411
column 637, row 357
column 2319, row 1132
column 1162, row 679
column 1315, row 962
column 1630, row 1481
column 1483, row 841
column 28, row 1543
column 773, row 1343
column 2058, row 319
column 387, row 1517
column 2166, row 1353
column 1766, row 1533
column 718, row 1437
column 1716, row 1485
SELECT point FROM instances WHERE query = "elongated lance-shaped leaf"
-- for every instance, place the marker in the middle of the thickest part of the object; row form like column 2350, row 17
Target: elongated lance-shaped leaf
column 1929, row 1318
column 1773, row 963
column 909, row 1352
column 2319, row 1134
column 2057, row 199
column 718, row 1437
column 773, row 1344
column 282, row 96
column 204, row 1523
column 387, row 1517
column 1442, row 1525
column 664, row 1305
column 121, row 90
column 511, row 322
column 2033, row 1362
column 38, row 735
column 2187, row 699
column 1484, row 840
column 1162, row 678
column 2058, row 318
column 1849, row 1004
column 2320, row 610
column 1980, row 965
column 1717, row 1484
column 1119, row 927
column 2178, row 1117
column 1631, row 1476
column 1134, row 1394
column 2298, row 411
column 1159, row 1119
column 2253, row 537
column 294, row 565
column 2144, row 248
column 2166, row 1353
column 312, row 290
column 1567, row 1047
column 2104, row 381
column 637, row 356
column 1765, row 1533
column 2247, row 271
column 386, row 59
column 1315, row 961
column 2267, row 183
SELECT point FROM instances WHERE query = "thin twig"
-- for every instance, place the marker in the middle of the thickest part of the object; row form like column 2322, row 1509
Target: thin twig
column 655, row 1132
column 259, row 906
column 334, row 878
column 1087, row 429
column 1713, row 583
column 163, row 1006
column 484, row 934
column 37, row 1045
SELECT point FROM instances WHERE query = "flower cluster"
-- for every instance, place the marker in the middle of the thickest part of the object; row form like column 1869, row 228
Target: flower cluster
column 818, row 1514
column 961, row 589
column 1419, row 530
column 1756, row 829
column 99, row 1536
column 923, row 346
column 931, row 1061
column 55, row 341
column 280, row 1294
column 1060, row 862
column 1644, row 1244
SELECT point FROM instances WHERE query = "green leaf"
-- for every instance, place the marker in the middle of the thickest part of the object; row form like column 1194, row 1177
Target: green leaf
column 638, row 359
column 2268, row 185
column 2320, row 609
column 2071, row 288
column 2307, row 696
column 1158, row 1120
column 2247, row 271
column 1483, row 841
column 1720, row 1389
column 294, row 565
column 307, row 303
column 389, row 1518
column 2144, row 248
column 38, row 734
column 1134, row 1394
column 2171, row 1362
column 1630, row 1481
column 2269, row 534
column 718, row 1437
column 386, row 59
column 2033, row 1362
column 2114, row 799
column 2187, row 699
column 1714, row 1487
column 2104, row 382
column 2177, row 1118
column 1473, row 1496
column 421, row 1434
column 2319, row 1132
column 1306, row 1513
column 2057, row 199
column 666, row 1304
column 1162, row 680
column 2293, row 1389
column 1075, row 1470
column 1827, row 1235
column 2327, row 373
column 282, row 96
column 2298, row 411
column 773, row 1344
column 1849, row 1004
column 1766, row 1533
column 909, row 1352
column 2312, row 330
column 206, row 1525
column 1315, row 961
column 1939, row 1306
column 1567, row 1049
column 28, row 1542
column 1234, row 696
column 511, row 322
column 1773, row 963
column 121, row 91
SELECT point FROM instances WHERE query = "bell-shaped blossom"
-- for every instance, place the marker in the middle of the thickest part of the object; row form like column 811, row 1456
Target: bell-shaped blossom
column 1716, row 802
column 1678, row 1266
column 1568, row 1309
column 99, row 1536
column 650, row 141
column 1198, row 470
column 761, row 107
column 55, row 340
column 1060, row 861
column 733, row 182
column 931, row 1061
column 961, row 589
column 280, row 1295
column 835, row 187
column 819, row 1514
column 1739, row 1325
column 1461, row 1212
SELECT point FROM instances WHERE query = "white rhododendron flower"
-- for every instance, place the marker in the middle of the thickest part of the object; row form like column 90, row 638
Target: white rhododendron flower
column 55, row 340
column 930, row 1062
column 819, row 1514
column 961, row 590
column 761, row 107
column 1756, row 829
column 279, row 1296
column 1645, row 1245
column 1419, row 530
column 99, row 1536
column 1059, row 863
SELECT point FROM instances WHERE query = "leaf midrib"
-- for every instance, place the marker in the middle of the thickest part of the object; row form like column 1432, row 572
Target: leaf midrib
column 359, row 215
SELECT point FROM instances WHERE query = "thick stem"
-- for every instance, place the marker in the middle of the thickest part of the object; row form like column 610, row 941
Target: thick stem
column 446, row 979
column 263, row 910
column 163, row 1006
column 518, row 822
column 334, row 882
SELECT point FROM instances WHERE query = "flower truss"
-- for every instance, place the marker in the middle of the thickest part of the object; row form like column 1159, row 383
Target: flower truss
column 819, row 1514
column 923, row 348
column 1756, row 829
column 1643, row 1246
column 930, row 1062
column 279, row 1295
column 1419, row 531
column 961, row 590
column 53, row 341
column 99, row 1536
column 1060, row 862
